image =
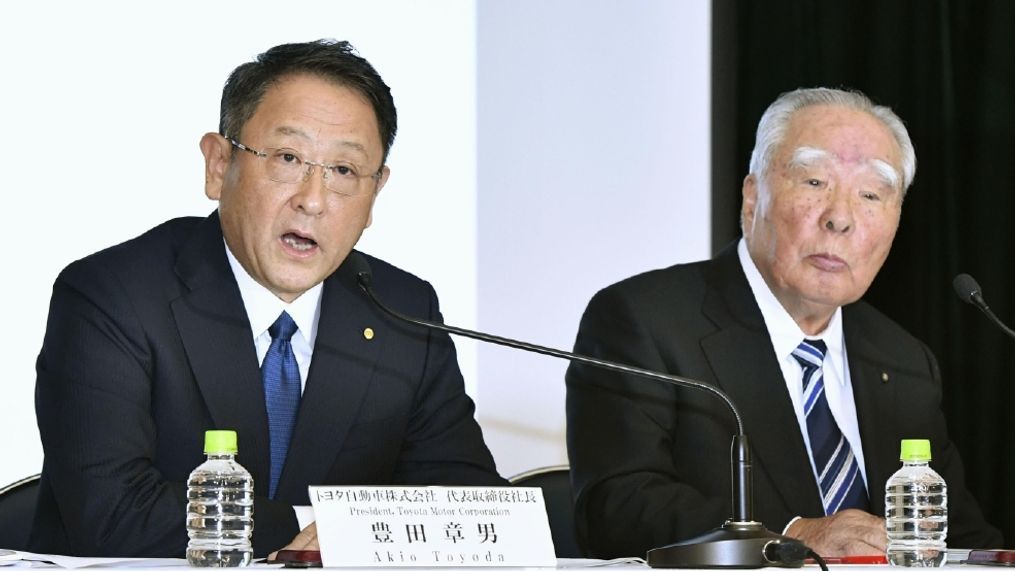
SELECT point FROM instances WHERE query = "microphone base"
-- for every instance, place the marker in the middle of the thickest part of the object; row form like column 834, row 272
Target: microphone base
column 735, row 545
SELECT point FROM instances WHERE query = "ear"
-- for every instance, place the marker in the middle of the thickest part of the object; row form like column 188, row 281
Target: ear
column 385, row 173
column 217, row 153
column 749, row 193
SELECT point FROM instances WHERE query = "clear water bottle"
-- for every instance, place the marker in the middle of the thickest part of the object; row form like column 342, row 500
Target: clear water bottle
column 916, row 510
column 220, row 506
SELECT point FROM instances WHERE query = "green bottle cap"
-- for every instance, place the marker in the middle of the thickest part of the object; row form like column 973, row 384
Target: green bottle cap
column 220, row 442
column 915, row 450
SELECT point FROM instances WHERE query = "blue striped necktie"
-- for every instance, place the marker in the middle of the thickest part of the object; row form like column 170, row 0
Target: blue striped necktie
column 839, row 476
column 281, row 377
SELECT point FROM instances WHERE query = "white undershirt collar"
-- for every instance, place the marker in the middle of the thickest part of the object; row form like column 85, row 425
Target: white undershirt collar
column 263, row 308
column 786, row 335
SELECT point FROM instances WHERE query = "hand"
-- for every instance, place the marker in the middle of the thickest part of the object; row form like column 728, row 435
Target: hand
column 849, row 532
column 305, row 540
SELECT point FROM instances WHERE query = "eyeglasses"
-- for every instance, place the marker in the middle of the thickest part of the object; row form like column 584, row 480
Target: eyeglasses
column 287, row 166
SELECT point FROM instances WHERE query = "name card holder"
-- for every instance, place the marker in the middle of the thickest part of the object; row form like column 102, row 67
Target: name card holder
column 432, row 526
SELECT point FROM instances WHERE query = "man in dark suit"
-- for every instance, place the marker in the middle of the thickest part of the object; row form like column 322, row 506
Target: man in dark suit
column 762, row 320
column 154, row 341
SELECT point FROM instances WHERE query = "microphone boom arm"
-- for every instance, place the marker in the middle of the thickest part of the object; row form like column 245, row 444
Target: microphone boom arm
column 507, row 342
column 969, row 291
column 980, row 304
column 741, row 542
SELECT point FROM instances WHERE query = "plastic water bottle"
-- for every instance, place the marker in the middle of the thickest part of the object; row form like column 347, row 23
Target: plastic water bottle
column 220, row 506
column 916, row 510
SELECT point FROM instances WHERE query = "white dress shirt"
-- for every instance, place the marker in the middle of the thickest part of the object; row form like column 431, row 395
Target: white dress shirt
column 263, row 308
column 786, row 335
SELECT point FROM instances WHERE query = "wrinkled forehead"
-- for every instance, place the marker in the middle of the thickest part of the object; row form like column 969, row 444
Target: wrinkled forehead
column 853, row 163
column 847, row 138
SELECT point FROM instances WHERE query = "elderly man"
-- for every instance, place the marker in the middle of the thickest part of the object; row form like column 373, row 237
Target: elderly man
column 152, row 342
column 775, row 319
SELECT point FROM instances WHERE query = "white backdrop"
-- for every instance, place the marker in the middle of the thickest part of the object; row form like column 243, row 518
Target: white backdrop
column 593, row 166
column 528, row 132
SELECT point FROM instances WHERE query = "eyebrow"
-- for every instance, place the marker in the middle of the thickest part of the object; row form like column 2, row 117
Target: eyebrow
column 809, row 156
column 293, row 131
column 887, row 172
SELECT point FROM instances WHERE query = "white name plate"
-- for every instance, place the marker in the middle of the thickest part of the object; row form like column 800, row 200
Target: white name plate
column 432, row 526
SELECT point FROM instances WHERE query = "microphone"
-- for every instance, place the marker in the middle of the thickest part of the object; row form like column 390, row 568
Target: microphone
column 740, row 542
column 969, row 291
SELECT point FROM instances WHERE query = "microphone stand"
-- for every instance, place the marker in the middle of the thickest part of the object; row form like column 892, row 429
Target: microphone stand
column 740, row 542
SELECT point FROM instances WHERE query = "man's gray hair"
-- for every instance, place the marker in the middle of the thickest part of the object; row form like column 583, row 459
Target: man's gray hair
column 773, row 124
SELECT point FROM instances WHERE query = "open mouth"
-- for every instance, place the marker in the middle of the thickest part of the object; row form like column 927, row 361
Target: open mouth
column 298, row 242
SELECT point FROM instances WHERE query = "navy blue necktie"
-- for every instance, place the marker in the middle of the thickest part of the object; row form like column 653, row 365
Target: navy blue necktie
column 838, row 471
column 281, row 376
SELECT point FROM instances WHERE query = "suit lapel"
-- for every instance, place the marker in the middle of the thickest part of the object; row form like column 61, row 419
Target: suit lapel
column 216, row 336
column 340, row 374
column 875, row 398
column 754, row 381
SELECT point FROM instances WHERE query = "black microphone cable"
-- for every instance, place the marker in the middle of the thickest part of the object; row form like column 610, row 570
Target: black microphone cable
column 786, row 553
column 818, row 559
column 791, row 554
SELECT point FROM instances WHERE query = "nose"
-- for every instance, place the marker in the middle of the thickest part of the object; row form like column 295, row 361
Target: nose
column 838, row 214
column 310, row 195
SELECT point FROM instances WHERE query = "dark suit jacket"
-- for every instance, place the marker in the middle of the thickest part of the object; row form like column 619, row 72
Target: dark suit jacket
column 148, row 345
column 651, row 462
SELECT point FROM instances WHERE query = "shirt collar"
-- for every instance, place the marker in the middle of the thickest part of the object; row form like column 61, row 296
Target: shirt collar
column 786, row 335
column 263, row 307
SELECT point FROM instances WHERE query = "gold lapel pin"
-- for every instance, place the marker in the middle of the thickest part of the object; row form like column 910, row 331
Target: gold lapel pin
column 884, row 377
column 368, row 333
